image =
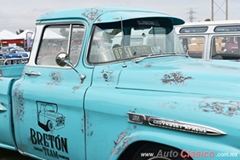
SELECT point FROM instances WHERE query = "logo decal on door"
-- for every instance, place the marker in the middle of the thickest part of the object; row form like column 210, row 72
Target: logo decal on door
column 49, row 118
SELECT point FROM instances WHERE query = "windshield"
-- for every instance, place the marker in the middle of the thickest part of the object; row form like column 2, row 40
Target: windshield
column 130, row 39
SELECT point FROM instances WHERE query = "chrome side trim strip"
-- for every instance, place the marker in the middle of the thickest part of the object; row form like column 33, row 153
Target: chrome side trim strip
column 174, row 124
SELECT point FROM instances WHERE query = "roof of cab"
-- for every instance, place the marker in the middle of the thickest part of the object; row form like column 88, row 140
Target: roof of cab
column 104, row 14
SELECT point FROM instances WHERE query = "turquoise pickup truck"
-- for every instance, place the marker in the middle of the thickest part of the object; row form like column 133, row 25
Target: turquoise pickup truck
column 116, row 83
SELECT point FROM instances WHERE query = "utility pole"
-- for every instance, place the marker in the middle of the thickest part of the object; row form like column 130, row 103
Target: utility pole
column 191, row 15
column 219, row 8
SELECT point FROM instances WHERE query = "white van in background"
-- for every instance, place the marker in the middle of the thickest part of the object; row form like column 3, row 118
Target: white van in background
column 211, row 39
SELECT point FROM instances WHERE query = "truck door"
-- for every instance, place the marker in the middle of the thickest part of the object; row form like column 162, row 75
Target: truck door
column 48, row 99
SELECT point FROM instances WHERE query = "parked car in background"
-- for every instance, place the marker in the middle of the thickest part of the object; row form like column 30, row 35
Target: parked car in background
column 211, row 39
column 13, row 54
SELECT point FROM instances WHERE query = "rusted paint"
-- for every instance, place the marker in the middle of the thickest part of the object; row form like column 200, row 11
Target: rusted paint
column 230, row 108
column 90, row 133
column 107, row 75
column 165, row 105
column 120, row 137
column 92, row 13
column 117, row 18
column 124, row 139
column 175, row 77
column 19, row 102
column 117, row 148
column 135, row 109
column 77, row 86
column 148, row 66
column 56, row 78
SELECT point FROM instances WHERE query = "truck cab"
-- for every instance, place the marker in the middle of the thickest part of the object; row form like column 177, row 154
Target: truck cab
column 89, row 91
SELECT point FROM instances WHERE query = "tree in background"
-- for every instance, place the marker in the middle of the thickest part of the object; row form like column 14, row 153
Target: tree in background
column 20, row 31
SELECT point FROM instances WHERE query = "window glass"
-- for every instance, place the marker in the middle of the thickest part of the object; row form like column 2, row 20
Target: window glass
column 235, row 28
column 60, row 38
column 133, row 38
column 225, row 47
column 194, row 45
column 193, row 29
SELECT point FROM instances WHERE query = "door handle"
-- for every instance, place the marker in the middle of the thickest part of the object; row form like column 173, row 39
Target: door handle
column 2, row 108
column 33, row 73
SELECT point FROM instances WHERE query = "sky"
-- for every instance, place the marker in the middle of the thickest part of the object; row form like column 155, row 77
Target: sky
column 22, row 14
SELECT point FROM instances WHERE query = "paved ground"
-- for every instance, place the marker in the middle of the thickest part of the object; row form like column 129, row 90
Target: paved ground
column 11, row 155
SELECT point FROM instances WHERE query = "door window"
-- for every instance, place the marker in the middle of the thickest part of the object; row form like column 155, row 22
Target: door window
column 60, row 38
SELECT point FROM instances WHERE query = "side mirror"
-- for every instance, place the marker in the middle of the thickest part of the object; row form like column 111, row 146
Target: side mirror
column 62, row 59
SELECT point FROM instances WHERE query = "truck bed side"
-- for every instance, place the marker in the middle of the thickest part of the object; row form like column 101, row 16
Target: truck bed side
column 7, row 138
column 13, row 71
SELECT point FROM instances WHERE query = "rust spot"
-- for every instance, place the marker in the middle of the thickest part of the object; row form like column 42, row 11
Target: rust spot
column 92, row 13
column 116, row 149
column 99, row 19
column 56, row 78
column 122, row 142
column 116, row 18
column 90, row 133
column 148, row 66
column 120, row 137
column 176, row 78
column 107, row 75
column 230, row 108
column 134, row 127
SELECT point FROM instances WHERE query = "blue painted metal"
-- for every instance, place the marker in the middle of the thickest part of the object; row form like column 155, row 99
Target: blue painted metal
column 56, row 115
column 7, row 136
column 104, row 14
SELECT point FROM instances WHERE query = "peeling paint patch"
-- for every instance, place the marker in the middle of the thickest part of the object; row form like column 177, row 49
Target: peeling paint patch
column 120, row 137
column 167, row 105
column 121, row 143
column 107, row 75
column 78, row 86
column 92, row 13
column 90, row 133
column 19, row 102
column 175, row 78
column 56, row 78
column 230, row 108
column 148, row 66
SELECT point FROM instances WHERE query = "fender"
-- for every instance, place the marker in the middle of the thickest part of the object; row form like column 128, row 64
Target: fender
column 190, row 144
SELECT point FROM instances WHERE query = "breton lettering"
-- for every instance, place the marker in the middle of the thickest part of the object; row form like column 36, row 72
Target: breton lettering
column 49, row 141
